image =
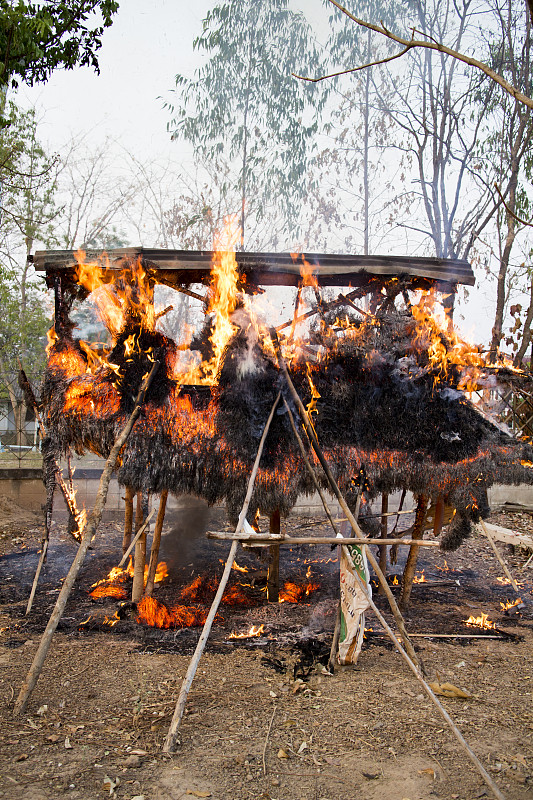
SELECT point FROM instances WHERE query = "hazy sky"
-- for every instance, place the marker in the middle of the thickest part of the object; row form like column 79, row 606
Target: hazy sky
column 146, row 46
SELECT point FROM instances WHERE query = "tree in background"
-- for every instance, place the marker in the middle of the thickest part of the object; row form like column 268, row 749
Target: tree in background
column 28, row 180
column 37, row 38
column 243, row 107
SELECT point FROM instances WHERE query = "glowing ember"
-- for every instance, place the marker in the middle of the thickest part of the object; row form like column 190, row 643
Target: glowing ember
column 237, row 568
column 255, row 630
column 295, row 593
column 109, row 590
column 480, row 622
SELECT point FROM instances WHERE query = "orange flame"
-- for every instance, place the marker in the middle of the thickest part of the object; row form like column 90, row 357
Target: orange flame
column 295, row 593
column 480, row 622
column 157, row 615
column 510, row 604
column 255, row 630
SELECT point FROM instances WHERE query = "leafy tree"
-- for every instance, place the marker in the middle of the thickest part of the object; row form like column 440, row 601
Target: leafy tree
column 27, row 178
column 245, row 107
column 38, row 37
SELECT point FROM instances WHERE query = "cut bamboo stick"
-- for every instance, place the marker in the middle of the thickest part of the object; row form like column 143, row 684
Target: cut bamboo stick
column 273, row 561
column 171, row 740
column 88, row 535
column 42, row 559
column 384, row 531
column 139, row 562
column 136, row 537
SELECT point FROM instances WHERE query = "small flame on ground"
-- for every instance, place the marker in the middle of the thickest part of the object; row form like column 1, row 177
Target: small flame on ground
column 107, row 587
column 295, row 593
column 157, row 615
column 420, row 578
column 480, row 622
column 255, row 630
column 510, row 604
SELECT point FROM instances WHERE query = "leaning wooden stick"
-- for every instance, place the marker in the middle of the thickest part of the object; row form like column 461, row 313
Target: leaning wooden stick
column 342, row 502
column 42, row 559
column 137, row 536
column 172, row 736
column 498, row 556
column 88, row 535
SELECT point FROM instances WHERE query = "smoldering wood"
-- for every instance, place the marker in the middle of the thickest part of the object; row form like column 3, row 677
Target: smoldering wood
column 87, row 537
column 171, row 740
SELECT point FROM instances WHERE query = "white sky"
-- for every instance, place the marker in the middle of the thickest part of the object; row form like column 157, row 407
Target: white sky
column 146, row 46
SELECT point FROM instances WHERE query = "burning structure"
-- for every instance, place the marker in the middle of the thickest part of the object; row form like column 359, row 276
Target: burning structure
column 386, row 380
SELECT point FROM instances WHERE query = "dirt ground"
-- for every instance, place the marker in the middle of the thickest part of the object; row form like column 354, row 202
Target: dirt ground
column 96, row 722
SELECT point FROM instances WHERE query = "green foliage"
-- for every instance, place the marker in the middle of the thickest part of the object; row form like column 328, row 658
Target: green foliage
column 245, row 106
column 37, row 38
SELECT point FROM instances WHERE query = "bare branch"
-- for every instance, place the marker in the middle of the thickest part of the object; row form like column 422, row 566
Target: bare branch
column 409, row 44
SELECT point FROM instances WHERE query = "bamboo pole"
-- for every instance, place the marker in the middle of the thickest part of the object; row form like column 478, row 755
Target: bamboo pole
column 156, row 541
column 410, row 565
column 266, row 539
column 88, row 535
column 499, row 557
column 342, row 502
column 171, row 740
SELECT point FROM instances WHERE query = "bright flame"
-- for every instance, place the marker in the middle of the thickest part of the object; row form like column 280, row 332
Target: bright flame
column 480, row 622
column 510, row 604
column 295, row 593
column 420, row 578
column 255, row 630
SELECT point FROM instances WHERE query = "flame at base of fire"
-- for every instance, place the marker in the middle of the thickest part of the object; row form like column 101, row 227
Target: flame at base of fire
column 157, row 615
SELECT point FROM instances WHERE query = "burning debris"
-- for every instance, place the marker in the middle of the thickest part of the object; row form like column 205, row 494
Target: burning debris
column 387, row 387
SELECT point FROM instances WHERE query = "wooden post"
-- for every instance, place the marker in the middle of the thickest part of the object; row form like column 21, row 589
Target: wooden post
column 172, row 736
column 156, row 541
column 439, row 516
column 128, row 518
column 410, row 565
column 273, row 563
column 87, row 537
column 140, row 553
column 384, row 533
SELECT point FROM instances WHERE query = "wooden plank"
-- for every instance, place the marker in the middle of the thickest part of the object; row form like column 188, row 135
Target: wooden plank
column 265, row 539
column 506, row 535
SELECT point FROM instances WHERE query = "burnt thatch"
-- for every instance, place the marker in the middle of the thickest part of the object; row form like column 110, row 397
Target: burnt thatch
column 379, row 403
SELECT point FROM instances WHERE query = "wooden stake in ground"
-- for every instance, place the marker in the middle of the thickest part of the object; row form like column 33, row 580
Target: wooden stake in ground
column 410, row 564
column 156, row 541
column 140, row 553
column 342, row 502
column 88, row 535
column 384, row 532
column 128, row 518
column 171, row 740
column 273, row 561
